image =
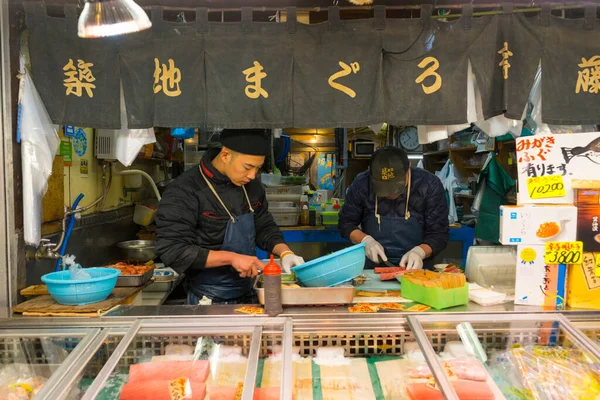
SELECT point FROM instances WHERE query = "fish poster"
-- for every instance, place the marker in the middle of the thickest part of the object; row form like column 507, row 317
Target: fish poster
column 326, row 171
column 574, row 156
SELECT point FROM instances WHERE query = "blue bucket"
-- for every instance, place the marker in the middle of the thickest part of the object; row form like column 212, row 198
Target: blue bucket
column 71, row 292
column 334, row 268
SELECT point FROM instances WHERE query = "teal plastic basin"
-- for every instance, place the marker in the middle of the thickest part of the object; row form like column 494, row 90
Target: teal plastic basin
column 333, row 269
column 71, row 292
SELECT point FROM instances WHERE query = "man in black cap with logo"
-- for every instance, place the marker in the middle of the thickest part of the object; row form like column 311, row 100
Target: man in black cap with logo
column 400, row 212
column 212, row 217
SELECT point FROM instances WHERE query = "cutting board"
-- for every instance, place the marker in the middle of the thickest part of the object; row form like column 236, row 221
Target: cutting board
column 374, row 283
column 46, row 306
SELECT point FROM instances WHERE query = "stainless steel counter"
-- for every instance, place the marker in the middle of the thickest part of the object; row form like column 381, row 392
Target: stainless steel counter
column 321, row 311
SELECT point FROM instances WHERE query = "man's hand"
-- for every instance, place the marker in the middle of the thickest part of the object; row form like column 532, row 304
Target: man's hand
column 247, row 266
column 374, row 250
column 289, row 260
column 413, row 259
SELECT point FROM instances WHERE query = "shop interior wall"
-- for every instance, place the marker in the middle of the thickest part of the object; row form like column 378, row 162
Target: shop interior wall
column 97, row 232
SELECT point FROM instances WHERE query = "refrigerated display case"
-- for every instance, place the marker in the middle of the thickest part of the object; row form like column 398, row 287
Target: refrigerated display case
column 383, row 356
column 33, row 360
column 512, row 356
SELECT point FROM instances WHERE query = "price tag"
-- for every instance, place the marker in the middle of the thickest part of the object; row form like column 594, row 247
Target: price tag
column 563, row 253
column 597, row 269
column 544, row 187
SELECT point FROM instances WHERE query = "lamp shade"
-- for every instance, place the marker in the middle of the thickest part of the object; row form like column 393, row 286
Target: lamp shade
column 101, row 18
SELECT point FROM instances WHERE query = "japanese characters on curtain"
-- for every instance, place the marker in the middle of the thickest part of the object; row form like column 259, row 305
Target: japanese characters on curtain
column 163, row 73
column 505, row 59
column 425, row 69
column 338, row 72
column 571, row 69
column 249, row 74
column 77, row 79
column 343, row 73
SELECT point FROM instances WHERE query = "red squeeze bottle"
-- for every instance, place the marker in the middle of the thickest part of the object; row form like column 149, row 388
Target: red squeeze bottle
column 272, row 285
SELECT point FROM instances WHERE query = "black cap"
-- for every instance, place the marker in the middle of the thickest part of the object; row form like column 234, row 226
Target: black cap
column 253, row 142
column 388, row 171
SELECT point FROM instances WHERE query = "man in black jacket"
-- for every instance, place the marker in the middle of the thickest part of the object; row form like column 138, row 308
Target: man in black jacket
column 211, row 219
column 400, row 212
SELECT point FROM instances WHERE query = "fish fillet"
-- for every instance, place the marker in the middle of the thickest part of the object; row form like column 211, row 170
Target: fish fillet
column 159, row 390
column 169, row 370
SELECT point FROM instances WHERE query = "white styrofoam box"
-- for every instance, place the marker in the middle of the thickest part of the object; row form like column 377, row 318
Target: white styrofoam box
column 538, row 283
column 521, row 224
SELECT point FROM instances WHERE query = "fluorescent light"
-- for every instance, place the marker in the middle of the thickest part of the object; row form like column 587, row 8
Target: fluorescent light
column 415, row 156
column 101, row 18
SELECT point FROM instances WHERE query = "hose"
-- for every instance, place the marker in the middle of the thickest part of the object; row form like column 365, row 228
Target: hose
column 67, row 235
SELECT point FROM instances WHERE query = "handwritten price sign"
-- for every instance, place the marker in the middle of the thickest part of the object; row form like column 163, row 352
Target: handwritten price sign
column 544, row 187
column 597, row 269
column 563, row 253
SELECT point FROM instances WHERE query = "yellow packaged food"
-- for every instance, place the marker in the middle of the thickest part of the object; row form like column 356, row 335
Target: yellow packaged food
column 583, row 286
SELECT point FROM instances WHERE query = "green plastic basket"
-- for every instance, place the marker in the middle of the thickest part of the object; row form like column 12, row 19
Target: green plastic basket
column 435, row 297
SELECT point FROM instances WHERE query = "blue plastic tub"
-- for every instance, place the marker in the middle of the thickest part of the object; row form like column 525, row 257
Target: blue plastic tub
column 70, row 292
column 334, row 268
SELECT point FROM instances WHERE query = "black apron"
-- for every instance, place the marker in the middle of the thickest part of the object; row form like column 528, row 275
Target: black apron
column 397, row 235
column 223, row 285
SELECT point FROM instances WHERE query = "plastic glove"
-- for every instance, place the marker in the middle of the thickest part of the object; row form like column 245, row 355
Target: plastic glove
column 374, row 250
column 413, row 259
column 290, row 260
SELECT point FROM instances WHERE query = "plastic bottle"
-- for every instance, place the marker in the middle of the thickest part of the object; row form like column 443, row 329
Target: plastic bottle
column 304, row 215
column 318, row 211
column 272, row 285
column 312, row 216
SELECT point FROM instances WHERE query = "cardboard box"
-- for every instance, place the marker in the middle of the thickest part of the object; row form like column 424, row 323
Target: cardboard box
column 573, row 156
column 537, row 224
column 583, row 286
column 588, row 204
column 539, row 284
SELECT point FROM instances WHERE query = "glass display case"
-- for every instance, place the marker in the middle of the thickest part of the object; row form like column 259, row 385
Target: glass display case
column 180, row 359
column 34, row 359
column 364, row 357
column 512, row 356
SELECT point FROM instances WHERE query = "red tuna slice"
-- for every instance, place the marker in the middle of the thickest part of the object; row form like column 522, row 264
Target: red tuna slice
column 465, row 390
column 387, row 270
column 169, row 370
column 159, row 390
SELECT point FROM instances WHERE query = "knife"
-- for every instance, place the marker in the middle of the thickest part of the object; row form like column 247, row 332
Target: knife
column 388, row 264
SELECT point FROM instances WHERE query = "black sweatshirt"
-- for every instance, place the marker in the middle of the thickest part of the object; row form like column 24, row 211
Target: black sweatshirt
column 191, row 221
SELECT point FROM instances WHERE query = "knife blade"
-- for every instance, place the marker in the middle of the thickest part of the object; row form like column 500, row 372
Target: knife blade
column 388, row 264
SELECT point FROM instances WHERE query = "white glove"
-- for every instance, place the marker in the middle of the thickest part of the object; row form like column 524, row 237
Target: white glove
column 374, row 250
column 290, row 260
column 413, row 259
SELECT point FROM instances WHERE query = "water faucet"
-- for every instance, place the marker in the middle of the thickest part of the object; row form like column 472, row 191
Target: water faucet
column 47, row 250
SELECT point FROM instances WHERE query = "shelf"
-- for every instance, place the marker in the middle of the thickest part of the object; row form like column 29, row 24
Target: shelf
column 473, row 166
column 464, row 196
column 156, row 160
column 466, row 148
column 433, row 153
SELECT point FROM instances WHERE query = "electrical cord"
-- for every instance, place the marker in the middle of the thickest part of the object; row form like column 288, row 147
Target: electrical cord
column 427, row 43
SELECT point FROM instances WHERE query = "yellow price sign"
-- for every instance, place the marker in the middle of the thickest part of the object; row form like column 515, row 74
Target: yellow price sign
column 597, row 269
column 563, row 253
column 544, row 187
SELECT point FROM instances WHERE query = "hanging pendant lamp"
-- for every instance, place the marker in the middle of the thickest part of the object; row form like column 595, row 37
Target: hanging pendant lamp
column 101, row 18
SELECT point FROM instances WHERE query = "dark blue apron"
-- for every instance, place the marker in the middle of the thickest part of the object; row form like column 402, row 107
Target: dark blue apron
column 397, row 235
column 223, row 285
